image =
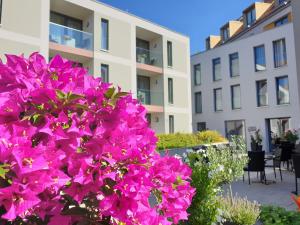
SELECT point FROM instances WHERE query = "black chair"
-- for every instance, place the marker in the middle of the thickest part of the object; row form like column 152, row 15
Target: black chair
column 277, row 161
column 296, row 162
column 286, row 154
column 256, row 164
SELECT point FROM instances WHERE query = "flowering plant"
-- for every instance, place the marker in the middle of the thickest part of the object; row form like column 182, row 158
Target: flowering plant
column 73, row 150
column 297, row 200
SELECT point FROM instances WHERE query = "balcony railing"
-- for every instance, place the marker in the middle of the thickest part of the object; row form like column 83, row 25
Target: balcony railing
column 148, row 97
column 148, row 57
column 70, row 37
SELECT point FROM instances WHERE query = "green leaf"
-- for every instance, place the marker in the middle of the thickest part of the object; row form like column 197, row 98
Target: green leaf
column 75, row 211
column 110, row 92
column 3, row 170
column 81, row 106
column 60, row 95
column 121, row 94
column 73, row 97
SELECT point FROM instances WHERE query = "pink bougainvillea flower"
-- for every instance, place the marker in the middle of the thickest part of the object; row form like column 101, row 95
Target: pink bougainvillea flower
column 73, row 147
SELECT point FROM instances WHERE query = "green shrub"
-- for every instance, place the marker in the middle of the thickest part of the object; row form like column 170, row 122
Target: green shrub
column 180, row 140
column 272, row 215
column 211, row 169
column 239, row 211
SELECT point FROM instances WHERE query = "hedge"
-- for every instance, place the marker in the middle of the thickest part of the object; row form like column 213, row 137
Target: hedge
column 180, row 140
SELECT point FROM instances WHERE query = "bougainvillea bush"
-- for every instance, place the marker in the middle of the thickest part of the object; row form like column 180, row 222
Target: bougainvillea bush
column 73, row 150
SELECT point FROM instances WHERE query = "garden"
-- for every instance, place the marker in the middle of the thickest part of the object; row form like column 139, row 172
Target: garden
column 77, row 151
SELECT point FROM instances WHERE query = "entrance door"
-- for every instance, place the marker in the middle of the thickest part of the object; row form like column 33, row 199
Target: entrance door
column 276, row 130
column 143, row 90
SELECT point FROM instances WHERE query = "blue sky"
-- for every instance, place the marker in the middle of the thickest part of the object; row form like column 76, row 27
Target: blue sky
column 194, row 18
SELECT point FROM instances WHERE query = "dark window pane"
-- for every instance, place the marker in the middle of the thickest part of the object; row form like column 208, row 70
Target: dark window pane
column 236, row 96
column 170, row 53
column 233, row 128
column 262, row 93
column 104, row 34
column 105, row 73
column 216, row 69
column 218, row 99
column 280, row 58
column 197, row 74
column 234, row 65
column 171, row 124
column 201, row 126
column 260, row 58
column 282, row 89
column 198, row 102
column 170, row 91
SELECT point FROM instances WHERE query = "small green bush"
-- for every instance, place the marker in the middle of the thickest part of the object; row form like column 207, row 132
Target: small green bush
column 180, row 140
column 239, row 211
column 272, row 215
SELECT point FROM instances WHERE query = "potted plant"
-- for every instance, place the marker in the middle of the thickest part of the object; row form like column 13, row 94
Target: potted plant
column 256, row 141
column 291, row 136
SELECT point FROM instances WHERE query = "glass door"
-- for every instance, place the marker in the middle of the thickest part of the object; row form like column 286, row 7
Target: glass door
column 143, row 90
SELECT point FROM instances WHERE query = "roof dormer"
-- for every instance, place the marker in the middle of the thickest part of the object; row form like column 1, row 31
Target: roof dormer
column 255, row 12
column 230, row 29
column 212, row 41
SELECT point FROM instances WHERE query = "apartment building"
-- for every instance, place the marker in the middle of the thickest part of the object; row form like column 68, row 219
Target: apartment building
column 146, row 59
column 247, row 78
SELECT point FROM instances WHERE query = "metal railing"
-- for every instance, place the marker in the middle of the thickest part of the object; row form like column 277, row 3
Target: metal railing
column 70, row 37
column 149, row 57
column 148, row 97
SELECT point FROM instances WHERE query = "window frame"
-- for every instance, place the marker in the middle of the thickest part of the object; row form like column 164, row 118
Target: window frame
column 196, row 97
column 255, row 58
column 170, row 53
column 195, row 78
column 233, row 107
column 214, row 68
column 284, row 56
column 215, row 100
column 171, row 124
column 282, row 21
column 106, row 47
column 170, row 91
column 234, row 56
column 235, row 126
column 251, row 12
column 277, row 90
column 258, row 96
column 106, row 66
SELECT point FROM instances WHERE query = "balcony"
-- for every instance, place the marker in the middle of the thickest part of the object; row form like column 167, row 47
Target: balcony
column 153, row 100
column 70, row 37
column 149, row 60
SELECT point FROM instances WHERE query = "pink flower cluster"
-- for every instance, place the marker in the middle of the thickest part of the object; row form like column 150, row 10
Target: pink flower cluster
column 73, row 149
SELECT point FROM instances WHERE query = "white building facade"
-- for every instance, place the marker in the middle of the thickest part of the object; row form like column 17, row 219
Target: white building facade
column 247, row 79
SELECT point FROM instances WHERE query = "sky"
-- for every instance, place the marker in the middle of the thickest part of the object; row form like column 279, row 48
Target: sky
column 194, row 18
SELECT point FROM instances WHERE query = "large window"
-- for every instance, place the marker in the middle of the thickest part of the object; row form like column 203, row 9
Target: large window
column 260, row 58
column 235, row 128
column 218, row 99
column 236, row 96
column 282, row 90
column 250, row 17
column 105, row 73
column 171, row 124
column 216, row 69
column 170, row 53
column 63, row 20
column 170, row 91
column 234, row 64
column 280, row 58
column 0, row 10
column 225, row 33
column 197, row 74
column 281, row 21
column 262, row 93
column 201, row 126
column 104, row 34
column 198, row 102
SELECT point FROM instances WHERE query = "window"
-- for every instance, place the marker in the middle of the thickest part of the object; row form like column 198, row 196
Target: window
column 235, row 128
column 236, row 96
column 0, row 10
column 250, row 17
column 234, row 65
column 148, row 118
column 171, row 124
column 198, row 102
column 225, row 33
column 197, row 74
column 170, row 53
column 170, row 91
column 218, row 99
column 104, row 34
column 63, row 20
column 279, row 48
column 105, row 73
column 282, row 21
column 262, row 93
column 281, row 1
column 207, row 43
column 259, row 58
column 201, row 126
column 282, row 90
column 217, row 69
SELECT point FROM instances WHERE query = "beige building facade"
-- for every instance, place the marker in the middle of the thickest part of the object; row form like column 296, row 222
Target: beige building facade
column 146, row 59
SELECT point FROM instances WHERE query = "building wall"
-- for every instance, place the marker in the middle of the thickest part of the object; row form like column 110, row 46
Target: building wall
column 254, row 116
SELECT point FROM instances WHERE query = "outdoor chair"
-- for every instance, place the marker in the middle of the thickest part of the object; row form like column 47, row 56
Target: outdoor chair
column 296, row 162
column 286, row 154
column 256, row 164
column 277, row 161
